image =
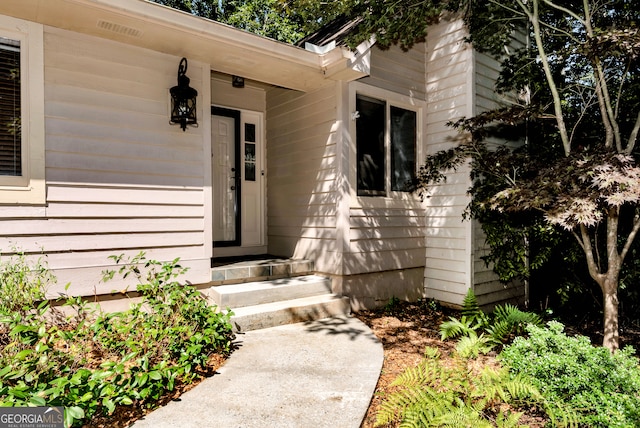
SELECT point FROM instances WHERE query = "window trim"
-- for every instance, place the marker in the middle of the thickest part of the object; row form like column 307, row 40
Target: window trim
column 29, row 188
column 391, row 99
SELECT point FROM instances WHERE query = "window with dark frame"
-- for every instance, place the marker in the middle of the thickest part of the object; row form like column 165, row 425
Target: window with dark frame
column 10, row 114
column 370, row 146
column 378, row 146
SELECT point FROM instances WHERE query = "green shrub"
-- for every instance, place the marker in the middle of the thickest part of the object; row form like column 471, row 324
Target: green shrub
column 22, row 284
column 602, row 388
column 34, row 357
column 174, row 322
column 91, row 364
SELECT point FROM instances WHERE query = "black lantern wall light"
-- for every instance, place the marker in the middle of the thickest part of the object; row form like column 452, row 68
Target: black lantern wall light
column 183, row 100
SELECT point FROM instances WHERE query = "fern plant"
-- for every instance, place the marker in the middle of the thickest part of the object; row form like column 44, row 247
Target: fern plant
column 509, row 321
column 433, row 394
column 455, row 327
column 471, row 308
column 479, row 332
column 472, row 345
column 472, row 319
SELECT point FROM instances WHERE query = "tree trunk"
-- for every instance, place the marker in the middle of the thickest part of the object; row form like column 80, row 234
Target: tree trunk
column 608, row 281
column 610, row 298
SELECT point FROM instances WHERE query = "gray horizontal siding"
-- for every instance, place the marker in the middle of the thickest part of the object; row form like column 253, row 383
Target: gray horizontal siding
column 301, row 175
column 120, row 179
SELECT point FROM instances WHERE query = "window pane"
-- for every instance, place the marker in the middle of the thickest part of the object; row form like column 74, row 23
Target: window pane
column 250, row 132
column 10, row 136
column 249, row 162
column 370, row 146
column 403, row 149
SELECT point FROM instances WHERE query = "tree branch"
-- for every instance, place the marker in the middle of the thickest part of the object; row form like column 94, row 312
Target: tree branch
column 622, row 80
column 585, row 239
column 597, row 247
column 575, row 235
column 634, row 135
column 631, row 237
column 561, row 31
column 565, row 10
column 606, row 110
column 608, row 140
column 511, row 9
column 613, row 122
column 588, row 103
column 557, row 102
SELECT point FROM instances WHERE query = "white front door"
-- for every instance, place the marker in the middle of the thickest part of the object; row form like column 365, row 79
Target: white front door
column 238, row 182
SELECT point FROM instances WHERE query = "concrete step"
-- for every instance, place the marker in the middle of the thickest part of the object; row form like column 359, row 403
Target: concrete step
column 270, row 293
column 261, row 292
column 258, row 270
column 289, row 311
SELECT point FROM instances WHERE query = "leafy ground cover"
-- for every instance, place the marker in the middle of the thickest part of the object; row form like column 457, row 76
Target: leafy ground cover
column 105, row 368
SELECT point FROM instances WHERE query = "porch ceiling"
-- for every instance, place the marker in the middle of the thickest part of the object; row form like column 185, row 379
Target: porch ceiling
column 226, row 49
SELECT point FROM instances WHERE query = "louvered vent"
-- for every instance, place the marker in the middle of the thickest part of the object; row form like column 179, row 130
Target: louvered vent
column 119, row 28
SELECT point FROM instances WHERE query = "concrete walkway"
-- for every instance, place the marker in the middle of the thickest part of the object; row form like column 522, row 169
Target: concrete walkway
column 314, row 374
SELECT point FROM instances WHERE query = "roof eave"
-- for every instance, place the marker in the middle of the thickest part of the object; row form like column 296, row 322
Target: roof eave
column 167, row 30
column 352, row 65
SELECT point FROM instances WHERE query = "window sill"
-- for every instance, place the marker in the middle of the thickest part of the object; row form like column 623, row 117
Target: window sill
column 33, row 194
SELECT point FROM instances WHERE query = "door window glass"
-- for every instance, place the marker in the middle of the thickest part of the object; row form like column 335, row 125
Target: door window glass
column 249, row 162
